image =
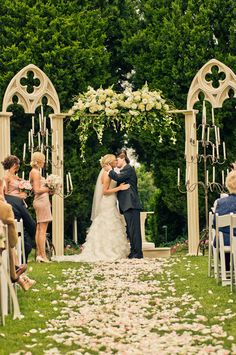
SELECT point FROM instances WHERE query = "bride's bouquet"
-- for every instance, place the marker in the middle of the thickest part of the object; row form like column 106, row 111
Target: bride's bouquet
column 25, row 186
column 54, row 183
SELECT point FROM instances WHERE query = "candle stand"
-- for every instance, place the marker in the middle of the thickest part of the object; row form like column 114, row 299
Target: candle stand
column 208, row 154
column 41, row 141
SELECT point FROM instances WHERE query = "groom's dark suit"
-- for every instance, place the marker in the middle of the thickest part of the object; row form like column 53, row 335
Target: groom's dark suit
column 130, row 206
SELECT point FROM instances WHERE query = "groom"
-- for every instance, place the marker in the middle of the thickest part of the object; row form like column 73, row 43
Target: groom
column 129, row 203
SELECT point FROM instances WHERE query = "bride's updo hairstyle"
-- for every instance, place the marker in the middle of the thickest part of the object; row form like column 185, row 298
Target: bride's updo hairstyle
column 37, row 160
column 107, row 159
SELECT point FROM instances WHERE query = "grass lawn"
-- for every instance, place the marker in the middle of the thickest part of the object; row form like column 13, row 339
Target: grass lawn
column 183, row 277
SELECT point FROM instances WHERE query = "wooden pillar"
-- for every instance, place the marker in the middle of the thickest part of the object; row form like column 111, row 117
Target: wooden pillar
column 5, row 138
column 192, row 175
column 57, row 169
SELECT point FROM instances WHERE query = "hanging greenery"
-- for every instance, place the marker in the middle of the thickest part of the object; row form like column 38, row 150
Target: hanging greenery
column 140, row 110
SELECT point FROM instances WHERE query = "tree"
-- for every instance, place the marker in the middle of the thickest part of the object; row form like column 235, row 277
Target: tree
column 174, row 39
column 97, row 43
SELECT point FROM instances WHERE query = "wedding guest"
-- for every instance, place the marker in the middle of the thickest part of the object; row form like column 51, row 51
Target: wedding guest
column 16, row 198
column 233, row 166
column 16, row 271
column 226, row 205
column 41, row 204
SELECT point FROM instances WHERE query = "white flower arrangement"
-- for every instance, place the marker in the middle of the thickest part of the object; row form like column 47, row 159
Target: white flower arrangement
column 130, row 110
column 108, row 101
column 54, row 183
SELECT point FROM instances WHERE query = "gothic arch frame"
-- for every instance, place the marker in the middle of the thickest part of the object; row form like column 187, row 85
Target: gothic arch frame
column 30, row 101
column 216, row 96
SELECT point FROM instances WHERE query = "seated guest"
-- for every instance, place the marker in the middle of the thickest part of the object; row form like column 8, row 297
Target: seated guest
column 226, row 205
column 7, row 217
column 15, row 197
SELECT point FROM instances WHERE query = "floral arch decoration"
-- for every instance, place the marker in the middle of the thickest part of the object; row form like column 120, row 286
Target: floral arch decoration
column 140, row 109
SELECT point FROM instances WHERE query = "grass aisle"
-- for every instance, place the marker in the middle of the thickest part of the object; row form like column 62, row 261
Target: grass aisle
column 149, row 306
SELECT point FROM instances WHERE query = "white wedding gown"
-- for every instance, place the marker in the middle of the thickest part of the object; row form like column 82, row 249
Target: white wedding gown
column 106, row 239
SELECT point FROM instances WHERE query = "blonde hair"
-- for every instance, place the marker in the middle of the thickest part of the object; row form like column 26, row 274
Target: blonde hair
column 37, row 158
column 107, row 159
column 231, row 181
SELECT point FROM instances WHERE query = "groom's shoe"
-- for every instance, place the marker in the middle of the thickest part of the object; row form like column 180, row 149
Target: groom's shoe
column 136, row 256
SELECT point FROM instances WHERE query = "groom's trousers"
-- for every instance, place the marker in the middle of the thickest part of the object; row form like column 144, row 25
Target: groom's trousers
column 132, row 218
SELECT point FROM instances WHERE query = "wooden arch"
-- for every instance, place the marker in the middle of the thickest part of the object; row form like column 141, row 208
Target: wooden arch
column 31, row 100
column 30, row 97
column 203, row 82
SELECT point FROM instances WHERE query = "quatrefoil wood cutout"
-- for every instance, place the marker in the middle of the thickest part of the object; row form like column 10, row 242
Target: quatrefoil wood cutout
column 216, row 81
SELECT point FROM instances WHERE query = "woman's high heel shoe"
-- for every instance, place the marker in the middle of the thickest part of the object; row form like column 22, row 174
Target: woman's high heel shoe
column 40, row 259
column 25, row 282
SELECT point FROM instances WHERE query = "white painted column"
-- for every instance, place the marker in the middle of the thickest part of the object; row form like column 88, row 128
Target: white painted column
column 57, row 201
column 5, row 138
column 192, row 171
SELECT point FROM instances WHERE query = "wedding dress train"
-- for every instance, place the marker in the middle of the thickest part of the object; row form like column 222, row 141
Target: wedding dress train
column 106, row 239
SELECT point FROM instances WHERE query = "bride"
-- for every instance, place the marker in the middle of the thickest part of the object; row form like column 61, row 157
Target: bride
column 106, row 239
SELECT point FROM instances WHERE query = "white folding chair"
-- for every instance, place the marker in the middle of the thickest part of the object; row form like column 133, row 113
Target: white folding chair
column 232, row 252
column 20, row 248
column 210, row 243
column 7, row 291
column 221, row 249
column 3, row 280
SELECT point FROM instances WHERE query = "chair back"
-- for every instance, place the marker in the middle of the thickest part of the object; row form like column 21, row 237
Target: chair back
column 20, row 248
column 8, row 298
column 211, row 235
column 221, row 221
column 4, row 265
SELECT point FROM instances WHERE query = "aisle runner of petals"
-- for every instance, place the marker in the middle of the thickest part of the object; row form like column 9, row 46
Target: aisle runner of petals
column 129, row 307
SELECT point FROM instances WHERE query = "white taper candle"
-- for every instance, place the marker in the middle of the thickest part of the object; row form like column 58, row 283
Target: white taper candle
column 32, row 139
column 204, row 113
column 67, row 183
column 218, row 134
column 223, row 177
column 70, row 180
column 213, row 174
column 33, row 124
column 224, row 151
column 29, row 139
column 212, row 116
column 24, row 151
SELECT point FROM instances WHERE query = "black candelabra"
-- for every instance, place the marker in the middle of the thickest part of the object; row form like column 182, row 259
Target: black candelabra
column 40, row 138
column 210, row 152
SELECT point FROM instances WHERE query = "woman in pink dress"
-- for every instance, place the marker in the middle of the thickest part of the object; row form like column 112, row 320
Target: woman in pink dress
column 41, row 204
column 16, row 198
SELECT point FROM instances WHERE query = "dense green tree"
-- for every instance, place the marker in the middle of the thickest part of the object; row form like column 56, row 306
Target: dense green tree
column 81, row 43
column 72, row 43
column 174, row 40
